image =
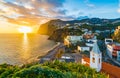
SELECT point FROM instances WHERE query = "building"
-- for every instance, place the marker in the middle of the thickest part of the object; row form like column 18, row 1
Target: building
column 95, row 61
column 86, row 46
column 84, row 30
column 90, row 43
column 80, row 24
column 98, row 31
column 89, row 35
column 83, row 48
column 66, row 58
column 72, row 40
column 108, row 40
column 96, row 58
column 108, row 69
column 113, row 50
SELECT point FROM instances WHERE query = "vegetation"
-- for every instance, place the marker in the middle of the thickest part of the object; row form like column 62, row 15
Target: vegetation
column 85, row 53
column 116, row 36
column 58, row 29
column 60, row 34
column 54, row 69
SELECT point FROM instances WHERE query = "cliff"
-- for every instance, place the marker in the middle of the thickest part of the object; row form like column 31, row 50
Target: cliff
column 56, row 28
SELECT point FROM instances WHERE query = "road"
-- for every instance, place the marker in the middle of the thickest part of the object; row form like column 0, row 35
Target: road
column 52, row 53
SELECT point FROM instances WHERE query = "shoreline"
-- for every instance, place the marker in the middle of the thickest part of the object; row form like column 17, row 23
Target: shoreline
column 38, row 58
column 48, row 51
column 51, row 55
column 13, row 56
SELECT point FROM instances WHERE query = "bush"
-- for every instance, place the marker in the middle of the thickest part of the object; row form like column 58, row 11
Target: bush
column 54, row 69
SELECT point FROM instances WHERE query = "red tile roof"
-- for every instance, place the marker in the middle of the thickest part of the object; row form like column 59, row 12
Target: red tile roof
column 87, row 60
column 116, row 47
column 112, row 71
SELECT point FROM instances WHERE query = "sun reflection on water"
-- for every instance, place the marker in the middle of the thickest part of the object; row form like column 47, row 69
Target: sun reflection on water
column 25, row 41
column 25, row 55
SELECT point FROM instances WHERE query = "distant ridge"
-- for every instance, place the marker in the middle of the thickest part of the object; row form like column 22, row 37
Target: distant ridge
column 48, row 27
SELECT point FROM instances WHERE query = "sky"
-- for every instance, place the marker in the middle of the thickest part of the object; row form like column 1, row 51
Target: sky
column 32, row 13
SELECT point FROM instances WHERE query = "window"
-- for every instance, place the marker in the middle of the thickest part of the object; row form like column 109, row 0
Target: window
column 99, row 60
column 93, row 60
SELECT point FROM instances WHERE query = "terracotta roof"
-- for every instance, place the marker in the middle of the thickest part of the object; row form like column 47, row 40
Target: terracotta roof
column 87, row 60
column 112, row 71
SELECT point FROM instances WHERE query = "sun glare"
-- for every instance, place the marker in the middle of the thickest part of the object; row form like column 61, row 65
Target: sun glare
column 25, row 29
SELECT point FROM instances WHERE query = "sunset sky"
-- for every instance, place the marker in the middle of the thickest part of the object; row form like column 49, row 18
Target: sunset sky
column 31, row 13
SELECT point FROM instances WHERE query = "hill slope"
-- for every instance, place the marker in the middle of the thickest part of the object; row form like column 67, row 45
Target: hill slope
column 49, row 27
column 49, row 70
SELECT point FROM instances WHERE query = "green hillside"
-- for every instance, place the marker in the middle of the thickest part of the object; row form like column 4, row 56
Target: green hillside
column 49, row 70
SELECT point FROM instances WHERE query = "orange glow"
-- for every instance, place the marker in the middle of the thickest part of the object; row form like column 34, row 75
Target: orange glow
column 25, row 29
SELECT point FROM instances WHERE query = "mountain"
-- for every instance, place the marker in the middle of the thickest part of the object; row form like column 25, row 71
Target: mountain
column 49, row 27
column 82, row 17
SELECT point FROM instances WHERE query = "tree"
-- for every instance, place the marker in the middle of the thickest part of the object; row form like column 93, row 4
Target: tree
column 116, row 35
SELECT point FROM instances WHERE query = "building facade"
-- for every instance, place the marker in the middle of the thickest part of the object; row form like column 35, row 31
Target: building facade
column 113, row 50
column 96, row 58
column 72, row 40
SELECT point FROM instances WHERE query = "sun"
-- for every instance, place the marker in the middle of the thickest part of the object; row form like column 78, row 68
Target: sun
column 25, row 29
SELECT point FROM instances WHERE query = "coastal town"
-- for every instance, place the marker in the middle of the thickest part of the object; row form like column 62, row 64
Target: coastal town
column 59, row 38
column 87, row 49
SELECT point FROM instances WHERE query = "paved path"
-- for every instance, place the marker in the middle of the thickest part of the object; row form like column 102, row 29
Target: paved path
column 52, row 53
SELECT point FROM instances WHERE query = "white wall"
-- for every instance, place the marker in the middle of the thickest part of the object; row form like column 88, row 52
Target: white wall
column 74, row 39
column 89, row 44
column 83, row 48
column 107, row 40
column 109, row 50
column 96, row 64
column 118, row 55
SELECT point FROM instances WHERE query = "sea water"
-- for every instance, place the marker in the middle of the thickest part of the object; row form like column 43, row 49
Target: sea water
column 19, row 49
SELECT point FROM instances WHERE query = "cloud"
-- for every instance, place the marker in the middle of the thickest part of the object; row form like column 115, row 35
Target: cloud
column 86, row 1
column 24, row 12
column 89, row 4
column 118, row 10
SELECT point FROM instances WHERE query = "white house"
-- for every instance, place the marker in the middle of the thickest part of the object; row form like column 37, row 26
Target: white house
column 72, row 39
column 84, row 30
column 113, row 50
column 108, row 40
column 87, row 46
column 83, row 48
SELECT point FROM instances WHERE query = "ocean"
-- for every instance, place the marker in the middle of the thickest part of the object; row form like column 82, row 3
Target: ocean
column 17, row 49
